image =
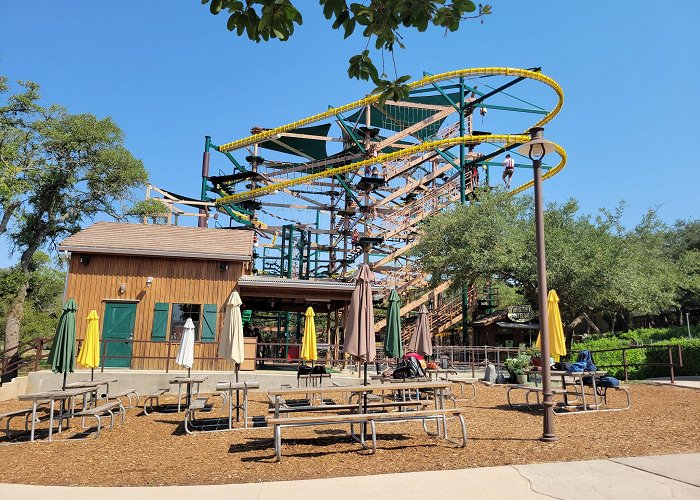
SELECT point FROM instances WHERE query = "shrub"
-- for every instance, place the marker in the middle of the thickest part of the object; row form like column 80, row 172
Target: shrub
column 691, row 358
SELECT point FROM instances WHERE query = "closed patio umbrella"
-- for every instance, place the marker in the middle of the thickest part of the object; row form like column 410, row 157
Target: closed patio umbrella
column 308, row 343
column 359, row 332
column 231, row 345
column 557, row 342
column 185, row 355
column 421, row 340
column 392, row 341
column 62, row 353
column 89, row 355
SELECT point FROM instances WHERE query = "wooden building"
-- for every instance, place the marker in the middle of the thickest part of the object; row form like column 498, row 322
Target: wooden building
column 144, row 281
column 497, row 330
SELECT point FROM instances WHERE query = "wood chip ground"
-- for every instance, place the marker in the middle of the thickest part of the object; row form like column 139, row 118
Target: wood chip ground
column 153, row 449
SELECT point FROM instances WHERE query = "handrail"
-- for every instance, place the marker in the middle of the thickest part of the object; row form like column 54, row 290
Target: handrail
column 625, row 365
column 12, row 359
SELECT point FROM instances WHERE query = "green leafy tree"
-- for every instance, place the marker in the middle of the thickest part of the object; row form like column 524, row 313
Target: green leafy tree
column 593, row 263
column 381, row 23
column 69, row 168
column 44, row 296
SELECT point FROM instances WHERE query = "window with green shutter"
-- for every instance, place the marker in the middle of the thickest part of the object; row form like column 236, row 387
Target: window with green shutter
column 209, row 323
column 160, row 322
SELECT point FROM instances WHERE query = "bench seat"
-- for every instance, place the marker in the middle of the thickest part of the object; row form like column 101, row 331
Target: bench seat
column 199, row 404
column 153, row 398
column 364, row 418
column 128, row 393
column 101, row 411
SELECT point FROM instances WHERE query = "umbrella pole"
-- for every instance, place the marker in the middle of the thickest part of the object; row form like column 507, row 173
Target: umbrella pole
column 92, row 374
column 65, row 376
column 238, row 401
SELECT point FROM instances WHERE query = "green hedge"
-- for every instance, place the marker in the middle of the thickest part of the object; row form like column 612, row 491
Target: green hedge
column 691, row 358
column 645, row 336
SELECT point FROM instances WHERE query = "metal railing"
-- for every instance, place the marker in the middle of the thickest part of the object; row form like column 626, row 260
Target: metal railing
column 671, row 363
column 28, row 354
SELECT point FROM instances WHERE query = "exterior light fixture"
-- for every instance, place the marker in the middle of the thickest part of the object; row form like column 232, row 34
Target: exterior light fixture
column 223, row 266
column 122, row 288
column 149, row 281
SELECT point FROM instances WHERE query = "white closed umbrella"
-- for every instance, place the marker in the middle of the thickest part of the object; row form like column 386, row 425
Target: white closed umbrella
column 231, row 346
column 185, row 356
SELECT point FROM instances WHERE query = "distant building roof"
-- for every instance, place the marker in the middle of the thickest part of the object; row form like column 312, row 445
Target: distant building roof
column 118, row 238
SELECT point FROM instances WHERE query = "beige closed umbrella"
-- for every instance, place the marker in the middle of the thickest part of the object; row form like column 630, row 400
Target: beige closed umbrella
column 421, row 340
column 231, row 346
column 359, row 332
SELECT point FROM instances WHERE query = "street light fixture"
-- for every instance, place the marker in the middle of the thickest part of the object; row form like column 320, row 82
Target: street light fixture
column 536, row 148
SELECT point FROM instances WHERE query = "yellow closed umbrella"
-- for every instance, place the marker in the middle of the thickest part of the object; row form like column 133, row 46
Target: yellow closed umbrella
column 557, row 342
column 89, row 355
column 308, row 343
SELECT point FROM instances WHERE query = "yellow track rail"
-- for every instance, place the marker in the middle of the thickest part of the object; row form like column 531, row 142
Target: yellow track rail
column 505, row 139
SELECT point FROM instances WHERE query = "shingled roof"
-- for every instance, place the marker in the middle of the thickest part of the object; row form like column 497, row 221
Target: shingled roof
column 119, row 238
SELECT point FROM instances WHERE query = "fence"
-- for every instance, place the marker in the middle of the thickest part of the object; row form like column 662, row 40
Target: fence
column 625, row 365
column 28, row 354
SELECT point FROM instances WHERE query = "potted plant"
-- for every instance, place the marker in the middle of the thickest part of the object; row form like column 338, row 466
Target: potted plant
column 517, row 366
column 535, row 356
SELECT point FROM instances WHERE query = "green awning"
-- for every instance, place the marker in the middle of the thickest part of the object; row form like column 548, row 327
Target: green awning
column 292, row 145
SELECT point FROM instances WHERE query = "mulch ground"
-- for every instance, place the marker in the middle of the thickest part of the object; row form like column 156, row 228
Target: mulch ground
column 150, row 450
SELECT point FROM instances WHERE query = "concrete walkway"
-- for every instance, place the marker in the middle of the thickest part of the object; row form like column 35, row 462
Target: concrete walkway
column 667, row 476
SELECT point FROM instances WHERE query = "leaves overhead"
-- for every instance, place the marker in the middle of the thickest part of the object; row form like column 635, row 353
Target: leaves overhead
column 381, row 22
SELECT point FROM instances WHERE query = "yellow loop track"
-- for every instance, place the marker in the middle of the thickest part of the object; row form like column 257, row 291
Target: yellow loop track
column 505, row 139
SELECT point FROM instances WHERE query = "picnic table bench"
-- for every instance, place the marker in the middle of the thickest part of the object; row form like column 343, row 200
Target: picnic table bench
column 128, row 393
column 199, row 404
column 101, row 411
column 153, row 397
column 364, row 418
column 26, row 413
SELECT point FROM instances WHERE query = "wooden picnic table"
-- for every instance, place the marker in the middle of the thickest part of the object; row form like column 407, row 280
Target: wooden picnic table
column 51, row 397
column 84, row 384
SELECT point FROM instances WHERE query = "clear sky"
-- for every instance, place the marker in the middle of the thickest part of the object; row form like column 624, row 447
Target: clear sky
column 170, row 73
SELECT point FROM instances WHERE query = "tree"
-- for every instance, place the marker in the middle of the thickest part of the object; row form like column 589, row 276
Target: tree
column 65, row 169
column 381, row 22
column 44, row 296
column 595, row 265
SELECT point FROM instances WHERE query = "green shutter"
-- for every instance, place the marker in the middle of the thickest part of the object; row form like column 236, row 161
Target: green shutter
column 160, row 322
column 209, row 323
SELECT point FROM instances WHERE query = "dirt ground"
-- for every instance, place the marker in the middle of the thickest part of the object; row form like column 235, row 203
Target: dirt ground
column 154, row 450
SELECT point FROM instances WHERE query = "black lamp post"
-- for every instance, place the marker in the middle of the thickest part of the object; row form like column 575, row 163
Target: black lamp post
column 535, row 149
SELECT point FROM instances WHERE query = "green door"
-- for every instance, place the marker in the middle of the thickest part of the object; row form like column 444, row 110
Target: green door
column 118, row 332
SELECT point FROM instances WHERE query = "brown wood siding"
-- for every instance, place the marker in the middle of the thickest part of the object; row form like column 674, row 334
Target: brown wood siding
column 174, row 281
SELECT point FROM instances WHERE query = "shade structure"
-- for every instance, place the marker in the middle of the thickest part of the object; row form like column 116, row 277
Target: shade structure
column 62, row 353
column 359, row 332
column 89, row 355
column 231, row 341
column 185, row 355
column 421, row 340
column 557, row 342
column 393, row 347
column 308, row 343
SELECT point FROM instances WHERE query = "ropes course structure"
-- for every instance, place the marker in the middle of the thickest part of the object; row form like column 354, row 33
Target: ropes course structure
column 352, row 184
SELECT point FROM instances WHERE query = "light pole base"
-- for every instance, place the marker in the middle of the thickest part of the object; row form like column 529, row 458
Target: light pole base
column 549, row 438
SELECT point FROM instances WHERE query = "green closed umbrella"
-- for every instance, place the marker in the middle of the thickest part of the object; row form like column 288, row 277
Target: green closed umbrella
column 392, row 341
column 62, row 353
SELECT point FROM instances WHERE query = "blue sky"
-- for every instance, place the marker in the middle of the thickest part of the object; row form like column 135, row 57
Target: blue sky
column 170, row 73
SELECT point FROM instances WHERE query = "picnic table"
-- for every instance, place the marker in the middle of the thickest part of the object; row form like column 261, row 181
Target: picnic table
column 189, row 382
column 361, row 417
column 84, row 384
column 51, row 397
column 575, row 380
column 229, row 388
